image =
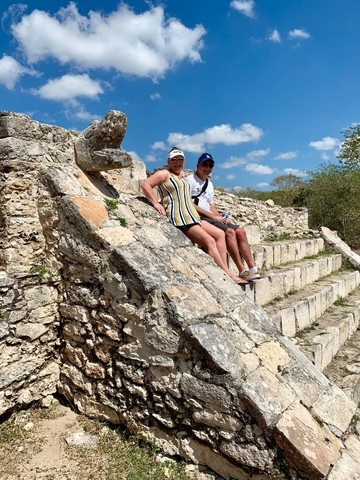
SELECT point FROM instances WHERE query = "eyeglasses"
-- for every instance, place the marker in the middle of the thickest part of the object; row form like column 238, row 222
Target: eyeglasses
column 176, row 159
column 207, row 165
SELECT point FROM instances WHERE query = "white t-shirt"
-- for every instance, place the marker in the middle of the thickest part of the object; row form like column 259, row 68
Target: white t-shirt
column 207, row 198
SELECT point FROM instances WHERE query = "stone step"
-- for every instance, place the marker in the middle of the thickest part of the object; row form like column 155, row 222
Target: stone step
column 292, row 278
column 271, row 254
column 301, row 309
column 322, row 341
column 344, row 370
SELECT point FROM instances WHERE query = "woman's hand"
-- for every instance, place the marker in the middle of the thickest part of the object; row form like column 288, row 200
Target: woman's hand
column 160, row 209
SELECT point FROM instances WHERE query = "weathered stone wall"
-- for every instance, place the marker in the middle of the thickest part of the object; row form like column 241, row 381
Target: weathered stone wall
column 144, row 328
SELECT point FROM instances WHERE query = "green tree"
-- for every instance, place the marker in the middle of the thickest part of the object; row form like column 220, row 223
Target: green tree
column 350, row 148
column 333, row 200
column 290, row 189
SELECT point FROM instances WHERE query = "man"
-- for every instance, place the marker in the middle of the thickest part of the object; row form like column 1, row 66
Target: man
column 202, row 192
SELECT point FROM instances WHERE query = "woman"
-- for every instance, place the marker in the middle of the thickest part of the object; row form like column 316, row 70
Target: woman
column 176, row 203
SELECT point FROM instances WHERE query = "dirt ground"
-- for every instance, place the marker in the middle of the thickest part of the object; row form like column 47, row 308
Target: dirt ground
column 43, row 444
column 41, row 451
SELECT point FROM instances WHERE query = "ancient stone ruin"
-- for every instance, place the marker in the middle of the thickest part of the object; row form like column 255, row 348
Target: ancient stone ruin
column 107, row 304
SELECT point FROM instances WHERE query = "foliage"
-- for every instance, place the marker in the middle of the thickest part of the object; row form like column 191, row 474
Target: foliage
column 111, row 204
column 333, row 200
column 350, row 149
column 44, row 273
column 122, row 221
column 290, row 189
column 117, row 455
column 129, row 457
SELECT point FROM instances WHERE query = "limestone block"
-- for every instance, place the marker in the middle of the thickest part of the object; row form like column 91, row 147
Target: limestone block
column 335, row 408
column 62, row 182
column 287, row 323
column 312, row 448
column 153, row 237
column 213, row 397
column 352, row 444
column 300, row 379
column 91, row 210
column 329, row 343
column 249, row 456
column 346, row 468
column 117, row 236
column 302, row 314
column 333, row 239
column 94, row 370
column 272, row 355
column 77, row 378
column 188, row 306
column 96, row 410
column 218, row 347
column 201, row 454
column 277, row 285
column 251, row 361
column 40, row 296
column 263, row 291
column 267, row 395
column 30, row 331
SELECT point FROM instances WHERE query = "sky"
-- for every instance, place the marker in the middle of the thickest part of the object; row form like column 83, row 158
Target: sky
column 266, row 86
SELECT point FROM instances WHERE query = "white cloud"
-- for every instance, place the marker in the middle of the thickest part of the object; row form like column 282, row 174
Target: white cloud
column 155, row 96
column 231, row 176
column 299, row 33
column 258, row 153
column 159, row 146
column 262, row 185
column 259, row 169
column 68, row 87
column 274, row 36
column 134, row 155
column 11, row 71
column 245, row 7
column 234, row 162
column 286, row 156
column 294, row 171
column 327, row 143
column 146, row 44
column 219, row 134
column 153, row 158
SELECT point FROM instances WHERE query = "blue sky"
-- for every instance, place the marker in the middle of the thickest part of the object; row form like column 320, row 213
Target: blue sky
column 266, row 86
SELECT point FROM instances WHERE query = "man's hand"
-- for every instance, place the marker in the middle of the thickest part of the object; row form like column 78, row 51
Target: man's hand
column 221, row 219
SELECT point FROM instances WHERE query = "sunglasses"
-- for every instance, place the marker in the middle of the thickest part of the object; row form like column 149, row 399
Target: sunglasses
column 207, row 164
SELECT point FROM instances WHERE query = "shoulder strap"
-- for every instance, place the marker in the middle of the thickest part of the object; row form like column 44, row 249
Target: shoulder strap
column 204, row 187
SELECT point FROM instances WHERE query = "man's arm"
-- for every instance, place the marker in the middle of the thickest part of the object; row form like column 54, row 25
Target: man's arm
column 213, row 214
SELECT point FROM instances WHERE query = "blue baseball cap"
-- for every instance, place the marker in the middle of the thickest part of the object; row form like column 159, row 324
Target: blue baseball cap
column 206, row 157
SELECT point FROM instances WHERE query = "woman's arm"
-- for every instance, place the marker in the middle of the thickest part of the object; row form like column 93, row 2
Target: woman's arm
column 150, row 183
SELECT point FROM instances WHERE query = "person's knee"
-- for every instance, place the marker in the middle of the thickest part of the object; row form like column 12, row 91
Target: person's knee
column 210, row 243
column 229, row 233
column 240, row 233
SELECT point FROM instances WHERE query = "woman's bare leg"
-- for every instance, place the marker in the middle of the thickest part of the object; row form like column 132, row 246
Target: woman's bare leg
column 219, row 237
column 198, row 235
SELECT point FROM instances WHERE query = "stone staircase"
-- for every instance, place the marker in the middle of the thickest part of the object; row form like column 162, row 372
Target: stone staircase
column 314, row 299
